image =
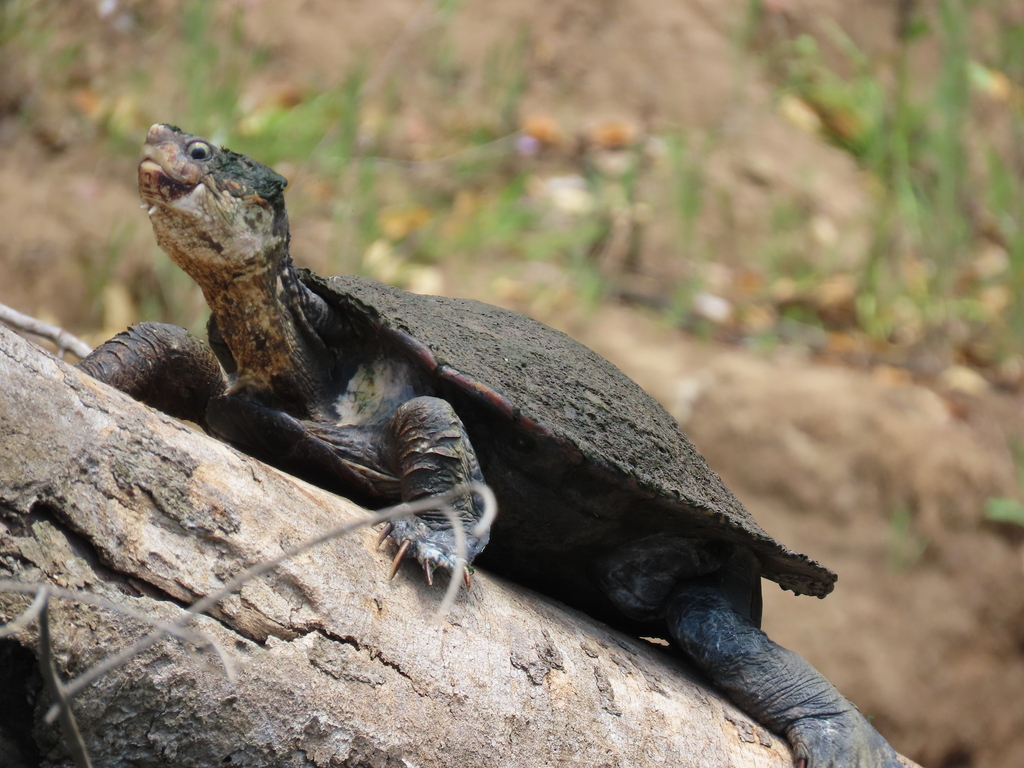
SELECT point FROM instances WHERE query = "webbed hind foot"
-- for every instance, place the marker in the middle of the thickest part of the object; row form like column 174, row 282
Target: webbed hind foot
column 844, row 740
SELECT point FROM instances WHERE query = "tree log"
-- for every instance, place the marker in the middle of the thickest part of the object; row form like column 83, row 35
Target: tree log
column 335, row 665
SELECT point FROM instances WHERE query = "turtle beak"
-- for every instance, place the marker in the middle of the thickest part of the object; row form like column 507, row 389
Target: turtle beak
column 166, row 172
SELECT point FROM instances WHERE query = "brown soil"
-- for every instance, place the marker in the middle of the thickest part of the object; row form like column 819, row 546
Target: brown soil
column 884, row 482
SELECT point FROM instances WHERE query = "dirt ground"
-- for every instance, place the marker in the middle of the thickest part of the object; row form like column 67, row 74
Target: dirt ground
column 882, row 480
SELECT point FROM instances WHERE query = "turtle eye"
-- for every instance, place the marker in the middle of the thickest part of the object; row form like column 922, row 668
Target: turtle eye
column 200, row 150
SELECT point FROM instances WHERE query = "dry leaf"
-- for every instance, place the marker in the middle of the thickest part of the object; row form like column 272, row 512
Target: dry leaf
column 398, row 223
column 758, row 318
column 960, row 378
column 892, row 376
column 545, row 129
column 799, row 114
column 613, row 134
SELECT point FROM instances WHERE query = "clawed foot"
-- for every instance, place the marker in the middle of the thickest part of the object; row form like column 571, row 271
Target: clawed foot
column 433, row 547
column 846, row 740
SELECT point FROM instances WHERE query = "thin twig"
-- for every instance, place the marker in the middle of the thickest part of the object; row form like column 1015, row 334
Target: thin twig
column 31, row 613
column 44, row 591
column 51, row 679
column 64, row 340
column 63, row 694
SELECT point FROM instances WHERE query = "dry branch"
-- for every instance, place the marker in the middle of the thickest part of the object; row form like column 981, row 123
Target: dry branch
column 335, row 665
column 28, row 324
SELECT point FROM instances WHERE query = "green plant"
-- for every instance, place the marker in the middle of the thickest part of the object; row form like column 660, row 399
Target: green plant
column 16, row 19
column 1007, row 510
column 505, row 80
column 920, row 142
column 98, row 266
column 212, row 68
column 905, row 545
column 1002, row 510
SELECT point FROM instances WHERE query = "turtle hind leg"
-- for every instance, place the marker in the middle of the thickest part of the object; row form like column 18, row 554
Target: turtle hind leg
column 161, row 365
column 421, row 451
column 430, row 452
column 708, row 594
column 712, row 618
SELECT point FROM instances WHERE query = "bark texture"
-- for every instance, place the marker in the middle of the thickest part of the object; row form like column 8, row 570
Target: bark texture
column 336, row 666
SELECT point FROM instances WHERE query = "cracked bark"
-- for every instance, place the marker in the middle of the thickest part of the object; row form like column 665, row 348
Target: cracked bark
column 336, row 666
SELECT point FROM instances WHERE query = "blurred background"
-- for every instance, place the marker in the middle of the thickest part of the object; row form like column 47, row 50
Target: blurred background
column 798, row 223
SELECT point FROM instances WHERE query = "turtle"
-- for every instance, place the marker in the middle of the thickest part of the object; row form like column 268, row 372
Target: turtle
column 382, row 396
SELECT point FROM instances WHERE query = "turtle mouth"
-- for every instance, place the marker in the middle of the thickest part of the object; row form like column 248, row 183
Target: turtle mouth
column 159, row 187
column 166, row 172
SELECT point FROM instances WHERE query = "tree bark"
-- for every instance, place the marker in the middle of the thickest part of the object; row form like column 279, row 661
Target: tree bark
column 336, row 666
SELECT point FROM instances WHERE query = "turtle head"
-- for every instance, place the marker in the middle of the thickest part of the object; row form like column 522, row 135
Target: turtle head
column 221, row 217
column 218, row 214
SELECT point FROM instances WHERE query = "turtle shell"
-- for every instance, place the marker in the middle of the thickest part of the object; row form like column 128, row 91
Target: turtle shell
column 532, row 382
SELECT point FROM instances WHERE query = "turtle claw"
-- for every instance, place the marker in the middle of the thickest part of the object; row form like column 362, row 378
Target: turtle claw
column 433, row 548
column 398, row 558
column 429, row 562
column 388, row 528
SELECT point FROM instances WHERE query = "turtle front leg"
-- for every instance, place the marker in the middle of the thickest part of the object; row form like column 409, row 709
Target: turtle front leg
column 431, row 454
column 161, row 365
column 714, row 619
column 421, row 451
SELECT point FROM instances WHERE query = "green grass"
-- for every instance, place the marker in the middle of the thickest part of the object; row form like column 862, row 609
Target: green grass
column 921, row 150
column 688, row 187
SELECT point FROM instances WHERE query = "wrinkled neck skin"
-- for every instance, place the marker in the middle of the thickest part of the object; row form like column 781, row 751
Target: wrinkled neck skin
column 272, row 324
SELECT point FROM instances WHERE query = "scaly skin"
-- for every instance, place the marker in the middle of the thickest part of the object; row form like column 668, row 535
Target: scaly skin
column 162, row 365
column 310, row 389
